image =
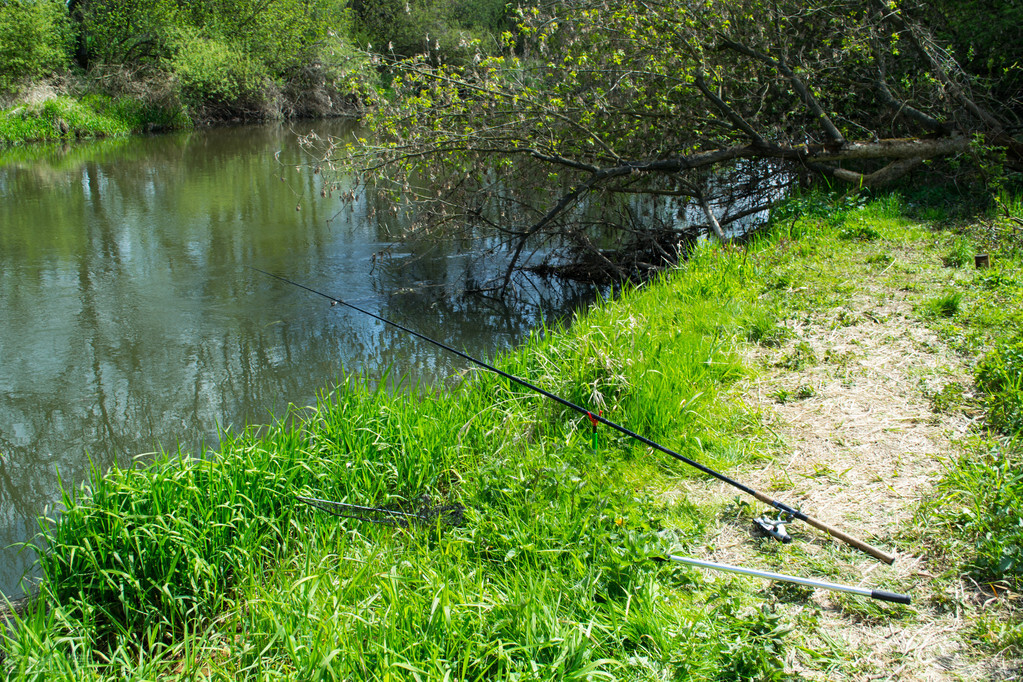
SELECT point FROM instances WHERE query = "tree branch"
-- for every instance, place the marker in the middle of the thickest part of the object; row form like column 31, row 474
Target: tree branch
column 711, row 218
column 797, row 84
column 729, row 112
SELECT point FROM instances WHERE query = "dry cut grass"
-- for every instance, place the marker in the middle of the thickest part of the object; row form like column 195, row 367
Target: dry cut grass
column 849, row 396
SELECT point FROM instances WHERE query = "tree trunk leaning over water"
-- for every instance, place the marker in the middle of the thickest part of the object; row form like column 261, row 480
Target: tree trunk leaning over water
column 714, row 110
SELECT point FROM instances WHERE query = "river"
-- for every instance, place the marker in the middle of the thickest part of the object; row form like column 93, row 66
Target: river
column 130, row 320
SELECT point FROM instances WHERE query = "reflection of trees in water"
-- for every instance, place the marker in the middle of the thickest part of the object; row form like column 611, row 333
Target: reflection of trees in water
column 129, row 321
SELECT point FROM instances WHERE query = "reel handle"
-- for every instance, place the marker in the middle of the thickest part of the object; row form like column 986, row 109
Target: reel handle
column 878, row 554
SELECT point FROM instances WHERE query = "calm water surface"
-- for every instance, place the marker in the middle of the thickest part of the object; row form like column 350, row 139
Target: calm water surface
column 130, row 322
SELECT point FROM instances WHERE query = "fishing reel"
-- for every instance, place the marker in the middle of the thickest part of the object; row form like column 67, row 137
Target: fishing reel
column 774, row 527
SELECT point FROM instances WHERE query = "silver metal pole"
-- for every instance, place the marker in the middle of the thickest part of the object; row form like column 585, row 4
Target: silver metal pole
column 862, row 591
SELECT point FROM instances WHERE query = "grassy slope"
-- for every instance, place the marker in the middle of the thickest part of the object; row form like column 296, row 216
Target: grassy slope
column 89, row 116
column 213, row 569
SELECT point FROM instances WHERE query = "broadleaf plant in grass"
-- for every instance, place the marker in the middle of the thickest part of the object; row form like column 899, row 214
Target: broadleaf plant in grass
column 979, row 506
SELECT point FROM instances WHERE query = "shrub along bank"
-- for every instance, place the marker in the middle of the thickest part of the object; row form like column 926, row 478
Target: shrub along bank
column 113, row 67
column 94, row 68
column 212, row 567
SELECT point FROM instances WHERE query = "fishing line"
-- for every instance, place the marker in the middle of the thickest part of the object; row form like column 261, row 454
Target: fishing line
column 448, row 514
column 791, row 512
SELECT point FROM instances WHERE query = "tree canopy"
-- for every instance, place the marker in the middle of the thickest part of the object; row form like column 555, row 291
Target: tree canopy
column 714, row 105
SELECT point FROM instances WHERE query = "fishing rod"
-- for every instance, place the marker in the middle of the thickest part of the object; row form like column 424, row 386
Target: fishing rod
column 786, row 510
column 862, row 591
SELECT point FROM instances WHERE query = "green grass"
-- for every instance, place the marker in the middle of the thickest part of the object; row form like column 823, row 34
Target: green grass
column 948, row 304
column 975, row 515
column 68, row 118
column 1000, row 377
column 960, row 253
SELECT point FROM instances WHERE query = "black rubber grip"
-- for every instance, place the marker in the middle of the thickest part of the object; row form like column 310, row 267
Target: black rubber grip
column 890, row 596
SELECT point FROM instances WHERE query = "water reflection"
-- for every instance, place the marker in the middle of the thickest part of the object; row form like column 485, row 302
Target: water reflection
column 129, row 320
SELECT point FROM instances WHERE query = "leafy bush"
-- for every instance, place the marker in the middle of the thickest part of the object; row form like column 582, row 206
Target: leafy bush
column 218, row 73
column 409, row 28
column 1000, row 376
column 33, row 40
column 977, row 31
column 118, row 32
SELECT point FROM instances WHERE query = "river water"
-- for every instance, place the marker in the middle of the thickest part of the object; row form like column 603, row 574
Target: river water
column 130, row 321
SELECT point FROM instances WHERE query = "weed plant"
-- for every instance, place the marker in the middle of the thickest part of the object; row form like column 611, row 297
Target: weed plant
column 976, row 514
column 960, row 254
column 1000, row 377
column 948, row 304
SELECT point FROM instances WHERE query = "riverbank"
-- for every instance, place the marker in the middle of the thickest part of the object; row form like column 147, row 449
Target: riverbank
column 213, row 568
column 72, row 70
column 45, row 116
column 86, row 109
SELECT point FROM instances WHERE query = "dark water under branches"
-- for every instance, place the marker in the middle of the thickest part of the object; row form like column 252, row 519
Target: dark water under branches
column 130, row 322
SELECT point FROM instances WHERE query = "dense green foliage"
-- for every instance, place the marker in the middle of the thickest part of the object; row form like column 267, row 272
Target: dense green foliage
column 33, row 40
column 191, row 61
column 983, row 38
column 443, row 28
column 231, row 59
column 615, row 71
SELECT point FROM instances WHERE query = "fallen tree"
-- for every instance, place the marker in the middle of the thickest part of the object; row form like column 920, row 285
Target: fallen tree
column 712, row 109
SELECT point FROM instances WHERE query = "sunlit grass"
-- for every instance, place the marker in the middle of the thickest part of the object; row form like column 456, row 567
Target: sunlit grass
column 68, row 118
column 550, row 576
